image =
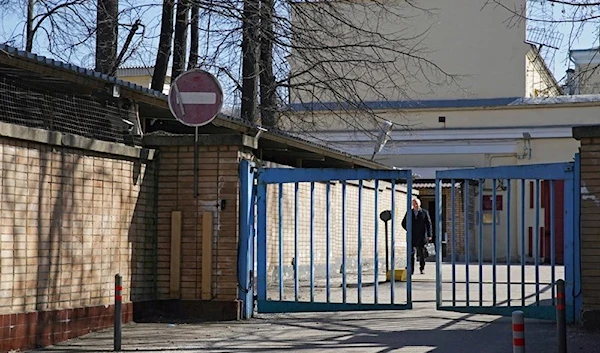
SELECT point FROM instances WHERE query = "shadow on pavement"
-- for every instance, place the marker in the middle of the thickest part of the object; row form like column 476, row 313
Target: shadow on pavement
column 417, row 332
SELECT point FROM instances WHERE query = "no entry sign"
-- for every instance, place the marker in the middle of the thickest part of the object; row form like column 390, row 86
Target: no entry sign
column 195, row 97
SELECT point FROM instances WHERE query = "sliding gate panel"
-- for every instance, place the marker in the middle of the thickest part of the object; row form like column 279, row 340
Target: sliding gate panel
column 511, row 233
column 323, row 244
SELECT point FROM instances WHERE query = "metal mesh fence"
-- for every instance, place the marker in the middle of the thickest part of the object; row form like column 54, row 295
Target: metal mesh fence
column 84, row 116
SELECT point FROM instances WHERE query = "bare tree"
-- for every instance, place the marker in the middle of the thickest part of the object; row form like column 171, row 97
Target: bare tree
column 29, row 34
column 194, row 37
column 550, row 20
column 268, row 98
column 67, row 29
column 343, row 55
column 107, row 35
column 250, row 47
column 164, row 46
column 331, row 54
column 336, row 55
column 180, row 39
column 136, row 25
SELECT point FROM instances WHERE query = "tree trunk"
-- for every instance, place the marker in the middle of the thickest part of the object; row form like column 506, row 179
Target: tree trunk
column 194, row 37
column 180, row 42
column 268, row 103
column 106, row 35
column 119, row 60
column 164, row 46
column 29, row 34
column 250, row 24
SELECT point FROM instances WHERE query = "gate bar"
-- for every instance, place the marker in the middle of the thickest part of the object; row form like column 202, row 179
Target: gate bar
column 312, row 241
column 360, row 191
column 480, row 247
column 438, row 241
column 537, row 242
column 261, row 240
column 376, row 259
column 494, row 276
column 344, row 242
column 523, row 242
column 467, row 249
column 296, row 242
column 571, row 258
column 328, row 240
column 409, row 245
column 552, row 239
column 508, row 243
column 453, row 197
column 393, row 243
column 280, row 201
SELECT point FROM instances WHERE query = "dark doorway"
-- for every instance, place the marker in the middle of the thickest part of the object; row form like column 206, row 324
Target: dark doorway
column 428, row 203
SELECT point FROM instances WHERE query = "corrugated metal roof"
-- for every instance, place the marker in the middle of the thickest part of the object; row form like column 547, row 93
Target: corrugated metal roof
column 446, row 103
column 42, row 60
column 236, row 124
column 138, row 71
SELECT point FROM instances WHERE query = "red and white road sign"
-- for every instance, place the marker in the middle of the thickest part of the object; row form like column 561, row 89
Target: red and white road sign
column 195, row 97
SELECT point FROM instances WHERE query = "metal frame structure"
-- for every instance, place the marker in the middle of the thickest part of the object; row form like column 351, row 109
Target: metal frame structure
column 281, row 176
column 567, row 172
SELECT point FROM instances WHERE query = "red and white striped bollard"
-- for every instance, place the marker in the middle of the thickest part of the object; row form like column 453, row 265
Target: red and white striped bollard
column 518, row 330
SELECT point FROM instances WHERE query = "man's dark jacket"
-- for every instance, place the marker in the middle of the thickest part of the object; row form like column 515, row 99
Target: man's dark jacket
column 421, row 227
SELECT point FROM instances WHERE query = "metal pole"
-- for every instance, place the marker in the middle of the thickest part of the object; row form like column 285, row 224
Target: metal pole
column 518, row 329
column 118, row 312
column 196, row 163
column 561, row 316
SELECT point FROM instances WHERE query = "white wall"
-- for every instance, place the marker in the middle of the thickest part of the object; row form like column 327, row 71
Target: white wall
column 470, row 41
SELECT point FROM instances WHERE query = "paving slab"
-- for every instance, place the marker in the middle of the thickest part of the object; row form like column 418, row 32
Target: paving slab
column 421, row 330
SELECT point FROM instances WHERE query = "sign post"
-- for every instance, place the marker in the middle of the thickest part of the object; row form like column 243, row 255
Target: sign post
column 195, row 99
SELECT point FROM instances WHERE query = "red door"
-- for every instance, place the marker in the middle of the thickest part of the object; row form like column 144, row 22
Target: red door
column 559, row 219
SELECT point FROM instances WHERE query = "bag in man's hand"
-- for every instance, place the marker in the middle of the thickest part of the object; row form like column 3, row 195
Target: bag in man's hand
column 429, row 250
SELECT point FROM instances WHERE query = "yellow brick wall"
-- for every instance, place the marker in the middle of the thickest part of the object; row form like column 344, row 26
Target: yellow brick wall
column 336, row 211
column 218, row 179
column 71, row 220
column 590, row 222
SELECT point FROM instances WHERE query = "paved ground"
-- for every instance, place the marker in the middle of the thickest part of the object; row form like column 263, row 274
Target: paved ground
column 422, row 330
column 424, row 287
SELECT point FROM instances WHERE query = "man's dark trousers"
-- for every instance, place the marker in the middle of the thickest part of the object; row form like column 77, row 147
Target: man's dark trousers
column 419, row 252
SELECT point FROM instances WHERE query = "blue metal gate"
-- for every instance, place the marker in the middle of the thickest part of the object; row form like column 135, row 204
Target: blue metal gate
column 510, row 233
column 322, row 244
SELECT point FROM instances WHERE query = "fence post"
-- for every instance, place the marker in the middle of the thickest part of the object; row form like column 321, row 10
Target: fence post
column 118, row 312
column 518, row 328
column 561, row 316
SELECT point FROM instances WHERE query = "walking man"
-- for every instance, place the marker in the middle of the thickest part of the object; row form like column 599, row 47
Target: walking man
column 421, row 232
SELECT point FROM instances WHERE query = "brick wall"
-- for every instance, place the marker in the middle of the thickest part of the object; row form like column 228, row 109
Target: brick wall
column 590, row 224
column 218, row 197
column 70, row 220
column 336, row 211
column 459, row 219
